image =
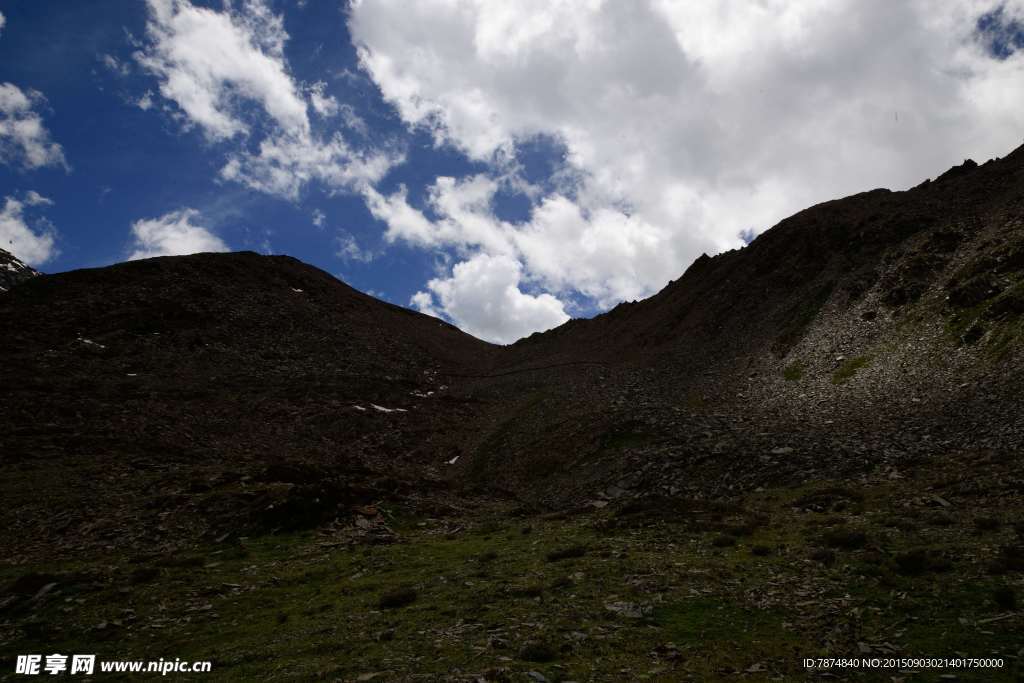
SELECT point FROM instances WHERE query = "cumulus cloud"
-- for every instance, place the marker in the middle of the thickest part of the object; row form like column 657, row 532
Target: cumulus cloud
column 323, row 104
column 3, row 21
column 33, row 198
column 484, row 298
column 173, row 234
column 285, row 163
column 32, row 244
column 349, row 249
column 24, row 139
column 319, row 218
column 226, row 72
column 207, row 61
column 602, row 253
column 116, row 65
column 684, row 124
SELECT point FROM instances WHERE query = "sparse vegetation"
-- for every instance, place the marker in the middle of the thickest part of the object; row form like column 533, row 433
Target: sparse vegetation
column 793, row 372
column 849, row 368
column 422, row 605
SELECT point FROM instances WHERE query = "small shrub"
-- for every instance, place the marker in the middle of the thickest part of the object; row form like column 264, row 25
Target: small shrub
column 849, row 368
column 724, row 541
column 400, row 597
column 845, row 539
column 986, row 524
column 1005, row 597
column 793, row 372
column 917, row 562
column 561, row 582
column 531, row 591
column 537, row 652
column 824, row 556
column 566, row 553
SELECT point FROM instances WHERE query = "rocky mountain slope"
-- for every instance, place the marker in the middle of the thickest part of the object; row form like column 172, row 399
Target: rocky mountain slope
column 13, row 271
column 244, row 391
column 855, row 334
column 807, row 447
column 211, row 393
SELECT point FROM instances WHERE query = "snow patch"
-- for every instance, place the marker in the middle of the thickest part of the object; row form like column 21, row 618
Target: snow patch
column 382, row 409
column 453, row 460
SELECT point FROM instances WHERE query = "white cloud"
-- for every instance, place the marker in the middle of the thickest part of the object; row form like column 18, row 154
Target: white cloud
column 319, row 218
column 603, row 253
column 3, row 21
column 24, row 139
column 116, row 65
column 484, row 298
column 33, row 246
column 145, row 103
column 324, row 105
column 173, row 234
column 33, row 198
column 214, row 65
column 349, row 249
column 685, row 123
column 206, row 61
column 286, row 163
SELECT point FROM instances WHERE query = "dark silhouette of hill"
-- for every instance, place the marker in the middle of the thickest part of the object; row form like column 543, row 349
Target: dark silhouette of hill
column 853, row 336
column 216, row 393
column 233, row 391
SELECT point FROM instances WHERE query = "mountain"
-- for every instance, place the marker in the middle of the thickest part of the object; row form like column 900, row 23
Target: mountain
column 13, row 271
column 857, row 333
column 236, row 388
column 233, row 389
column 808, row 446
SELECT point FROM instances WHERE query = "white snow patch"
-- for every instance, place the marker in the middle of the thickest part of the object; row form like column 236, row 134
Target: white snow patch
column 360, row 408
column 297, row 290
column 90, row 342
column 382, row 409
column 453, row 460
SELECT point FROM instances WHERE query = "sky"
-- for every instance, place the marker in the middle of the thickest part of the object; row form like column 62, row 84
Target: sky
column 502, row 165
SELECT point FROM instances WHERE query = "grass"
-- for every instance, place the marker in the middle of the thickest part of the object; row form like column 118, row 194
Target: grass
column 577, row 598
column 793, row 372
column 849, row 368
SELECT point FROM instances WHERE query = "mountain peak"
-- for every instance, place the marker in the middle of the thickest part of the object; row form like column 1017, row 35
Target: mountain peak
column 13, row 270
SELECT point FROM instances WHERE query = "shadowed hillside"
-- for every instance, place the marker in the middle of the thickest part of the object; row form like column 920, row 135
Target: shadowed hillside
column 808, row 446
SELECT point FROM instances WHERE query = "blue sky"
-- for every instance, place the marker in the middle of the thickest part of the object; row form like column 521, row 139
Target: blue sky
column 128, row 164
column 502, row 165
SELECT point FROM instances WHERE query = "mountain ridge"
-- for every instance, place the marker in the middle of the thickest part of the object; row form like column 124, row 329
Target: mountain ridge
column 265, row 368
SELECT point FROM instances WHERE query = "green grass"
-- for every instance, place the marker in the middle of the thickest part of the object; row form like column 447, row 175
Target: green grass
column 489, row 596
column 849, row 368
column 793, row 372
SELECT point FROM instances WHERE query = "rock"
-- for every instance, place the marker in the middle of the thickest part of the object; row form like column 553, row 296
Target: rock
column 400, row 597
column 13, row 271
column 537, row 651
column 782, row 450
column 537, row 676
column 629, row 610
column 144, row 574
